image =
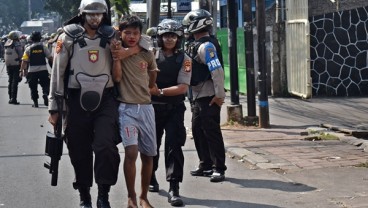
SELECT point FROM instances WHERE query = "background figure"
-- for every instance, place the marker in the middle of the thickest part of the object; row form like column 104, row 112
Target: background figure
column 13, row 54
column 208, row 96
column 168, row 101
column 92, row 117
column 135, row 75
column 35, row 69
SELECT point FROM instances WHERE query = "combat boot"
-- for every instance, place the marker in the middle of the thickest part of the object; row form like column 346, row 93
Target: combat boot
column 103, row 196
column 85, row 197
column 154, row 186
column 174, row 197
column 35, row 103
column 45, row 100
column 13, row 101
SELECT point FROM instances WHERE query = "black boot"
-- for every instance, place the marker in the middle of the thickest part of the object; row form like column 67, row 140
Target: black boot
column 85, row 197
column 174, row 197
column 45, row 100
column 103, row 196
column 35, row 103
column 13, row 101
column 154, row 186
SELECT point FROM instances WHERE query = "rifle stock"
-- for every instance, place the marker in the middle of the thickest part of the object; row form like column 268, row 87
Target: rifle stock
column 54, row 143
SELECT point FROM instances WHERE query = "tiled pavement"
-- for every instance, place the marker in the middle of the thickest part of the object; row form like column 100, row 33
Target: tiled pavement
column 285, row 149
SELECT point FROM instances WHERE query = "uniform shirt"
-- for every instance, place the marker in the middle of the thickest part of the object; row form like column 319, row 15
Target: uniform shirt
column 62, row 54
column 185, row 72
column 27, row 54
column 133, row 86
column 207, row 55
column 18, row 49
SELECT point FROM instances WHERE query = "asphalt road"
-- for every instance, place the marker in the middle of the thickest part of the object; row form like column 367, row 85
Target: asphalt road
column 24, row 182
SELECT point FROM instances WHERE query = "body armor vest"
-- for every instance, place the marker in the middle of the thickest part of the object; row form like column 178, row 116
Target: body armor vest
column 37, row 56
column 11, row 55
column 90, row 56
column 200, row 72
column 168, row 76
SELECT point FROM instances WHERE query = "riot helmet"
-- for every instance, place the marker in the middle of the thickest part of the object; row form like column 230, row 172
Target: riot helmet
column 93, row 6
column 36, row 36
column 13, row 35
column 169, row 26
column 198, row 21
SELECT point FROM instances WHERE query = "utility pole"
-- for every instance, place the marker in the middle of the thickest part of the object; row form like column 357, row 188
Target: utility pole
column 169, row 12
column 29, row 10
column 154, row 14
column 262, row 78
column 235, row 109
column 249, row 61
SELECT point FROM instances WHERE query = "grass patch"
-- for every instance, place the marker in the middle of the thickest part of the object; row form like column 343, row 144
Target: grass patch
column 362, row 165
column 327, row 136
column 321, row 136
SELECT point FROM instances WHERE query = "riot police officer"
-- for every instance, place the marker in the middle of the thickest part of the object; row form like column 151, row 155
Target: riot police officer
column 35, row 69
column 12, row 56
column 168, row 102
column 208, row 96
column 92, row 117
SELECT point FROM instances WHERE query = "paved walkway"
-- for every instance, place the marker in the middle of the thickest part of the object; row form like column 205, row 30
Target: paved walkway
column 291, row 143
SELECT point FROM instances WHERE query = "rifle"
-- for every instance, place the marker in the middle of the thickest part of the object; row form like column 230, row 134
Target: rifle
column 54, row 143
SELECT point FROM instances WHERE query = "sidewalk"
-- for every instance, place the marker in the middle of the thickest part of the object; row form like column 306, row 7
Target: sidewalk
column 290, row 144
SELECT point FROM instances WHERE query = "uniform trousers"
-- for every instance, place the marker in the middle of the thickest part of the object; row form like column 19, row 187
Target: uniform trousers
column 13, row 81
column 41, row 77
column 170, row 119
column 93, row 132
column 207, row 134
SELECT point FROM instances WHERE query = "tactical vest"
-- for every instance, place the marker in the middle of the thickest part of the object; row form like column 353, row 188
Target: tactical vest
column 90, row 56
column 168, row 76
column 200, row 72
column 37, row 55
column 11, row 56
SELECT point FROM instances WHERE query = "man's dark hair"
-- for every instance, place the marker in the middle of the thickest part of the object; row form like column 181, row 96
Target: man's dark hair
column 130, row 21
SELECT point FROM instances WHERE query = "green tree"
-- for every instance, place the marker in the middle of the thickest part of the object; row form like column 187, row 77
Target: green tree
column 66, row 8
column 13, row 13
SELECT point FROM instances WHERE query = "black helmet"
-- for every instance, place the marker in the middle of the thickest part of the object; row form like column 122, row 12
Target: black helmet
column 36, row 36
column 169, row 26
column 198, row 21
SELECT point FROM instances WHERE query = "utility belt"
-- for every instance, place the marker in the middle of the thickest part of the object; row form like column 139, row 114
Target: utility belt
column 206, row 99
column 167, row 106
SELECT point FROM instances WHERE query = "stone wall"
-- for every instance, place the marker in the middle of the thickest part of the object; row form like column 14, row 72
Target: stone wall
column 318, row 7
column 339, row 53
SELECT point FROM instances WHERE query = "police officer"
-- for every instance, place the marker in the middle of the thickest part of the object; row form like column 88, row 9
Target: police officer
column 168, row 101
column 35, row 69
column 92, row 117
column 208, row 96
column 12, row 56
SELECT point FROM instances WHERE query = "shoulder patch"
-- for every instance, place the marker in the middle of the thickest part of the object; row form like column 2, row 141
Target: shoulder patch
column 211, row 52
column 59, row 46
column 187, row 65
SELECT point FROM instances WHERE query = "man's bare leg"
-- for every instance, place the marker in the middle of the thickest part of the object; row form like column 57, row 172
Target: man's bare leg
column 131, row 154
column 147, row 166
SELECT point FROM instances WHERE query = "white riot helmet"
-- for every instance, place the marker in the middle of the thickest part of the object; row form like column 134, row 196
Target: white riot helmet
column 169, row 26
column 93, row 6
column 198, row 21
